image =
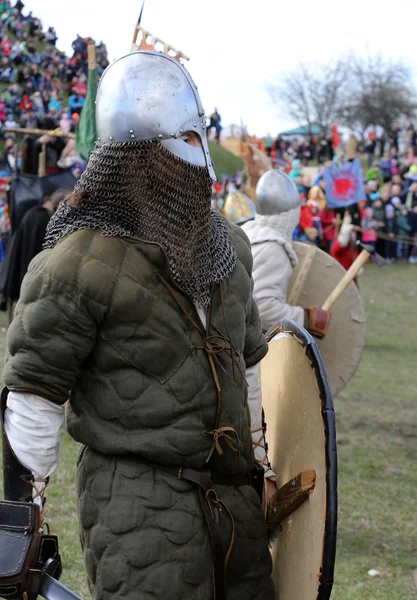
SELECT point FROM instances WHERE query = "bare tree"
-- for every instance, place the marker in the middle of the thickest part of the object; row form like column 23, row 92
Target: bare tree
column 379, row 92
column 310, row 95
column 353, row 91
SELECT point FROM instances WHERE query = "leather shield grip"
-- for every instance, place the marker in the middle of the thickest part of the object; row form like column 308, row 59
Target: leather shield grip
column 318, row 321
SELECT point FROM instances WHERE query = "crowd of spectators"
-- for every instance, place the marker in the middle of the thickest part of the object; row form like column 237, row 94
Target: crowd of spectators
column 40, row 87
column 312, row 149
column 303, row 148
column 385, row 218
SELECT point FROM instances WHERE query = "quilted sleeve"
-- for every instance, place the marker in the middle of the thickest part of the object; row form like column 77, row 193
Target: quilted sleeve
column 255, row 343
column 55, row 323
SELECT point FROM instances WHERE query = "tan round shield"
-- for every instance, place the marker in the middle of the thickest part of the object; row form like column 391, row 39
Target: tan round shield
column 315, row 276
column 301, row 436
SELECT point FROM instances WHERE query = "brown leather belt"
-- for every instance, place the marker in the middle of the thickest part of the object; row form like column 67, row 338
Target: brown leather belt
column 205, row 478
column 204, row 481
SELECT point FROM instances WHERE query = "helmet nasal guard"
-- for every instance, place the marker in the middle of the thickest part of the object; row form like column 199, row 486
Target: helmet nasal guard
column 149, row 95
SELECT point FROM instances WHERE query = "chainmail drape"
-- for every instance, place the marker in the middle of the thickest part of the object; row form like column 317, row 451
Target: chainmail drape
column 139, row 189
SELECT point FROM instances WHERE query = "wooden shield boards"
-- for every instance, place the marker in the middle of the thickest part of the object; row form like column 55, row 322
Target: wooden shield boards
column 315, row 276
column 301, row 435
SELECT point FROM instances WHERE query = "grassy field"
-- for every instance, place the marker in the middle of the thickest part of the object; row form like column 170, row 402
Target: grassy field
column 377, row 443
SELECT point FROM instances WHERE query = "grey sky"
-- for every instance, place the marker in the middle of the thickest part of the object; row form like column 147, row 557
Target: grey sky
column 236, row 46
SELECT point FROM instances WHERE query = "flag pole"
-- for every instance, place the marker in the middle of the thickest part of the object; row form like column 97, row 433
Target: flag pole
column 137, row 26
column 91, row 52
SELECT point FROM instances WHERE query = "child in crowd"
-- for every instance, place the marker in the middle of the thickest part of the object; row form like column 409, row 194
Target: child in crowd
column 412, row 217
column 314, row 207
column 369, row 226
column 379, row 216
column 373, row 191
column 390, row 231
column 396, row 202
column 328, row 221
column 403, row 230
column 386, row 165
column 307, row 232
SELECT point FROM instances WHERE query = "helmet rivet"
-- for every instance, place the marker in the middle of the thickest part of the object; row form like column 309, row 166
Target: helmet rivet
column 172, row 134
column 133, row 136
column 181, row 130
column 130, row 130
column 204, row 126
column 160, row 136
column 111, row 138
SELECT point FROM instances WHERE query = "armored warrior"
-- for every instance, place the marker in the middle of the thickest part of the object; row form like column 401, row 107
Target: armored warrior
column 274, row 258
column 139, row 317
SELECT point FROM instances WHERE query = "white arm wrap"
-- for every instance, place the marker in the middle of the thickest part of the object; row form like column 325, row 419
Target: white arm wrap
column 32, row 426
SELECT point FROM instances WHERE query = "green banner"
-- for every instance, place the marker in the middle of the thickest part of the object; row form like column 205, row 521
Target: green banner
column 86, row 133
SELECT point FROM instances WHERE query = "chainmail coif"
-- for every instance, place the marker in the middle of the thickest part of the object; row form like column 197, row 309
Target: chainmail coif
column 139, row 189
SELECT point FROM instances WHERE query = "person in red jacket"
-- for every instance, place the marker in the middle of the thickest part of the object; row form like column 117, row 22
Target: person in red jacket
column 5, row 46
column 344, row 249
column 328, row 220
column 307, row 231
column 25, row 104
column 335, row 137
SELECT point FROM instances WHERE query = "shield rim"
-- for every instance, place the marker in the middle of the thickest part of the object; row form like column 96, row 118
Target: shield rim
column 312, row 351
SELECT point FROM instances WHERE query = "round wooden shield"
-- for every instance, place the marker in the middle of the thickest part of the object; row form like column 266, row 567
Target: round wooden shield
column 301, row 436
column 314, row 278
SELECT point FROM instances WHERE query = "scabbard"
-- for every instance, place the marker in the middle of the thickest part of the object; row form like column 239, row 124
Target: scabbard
column 16, row 477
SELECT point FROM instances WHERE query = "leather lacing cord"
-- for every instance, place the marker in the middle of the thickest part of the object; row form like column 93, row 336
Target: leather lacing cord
column 214, row 345
column 39, row 494
column 232, row 440
column 262, row 443
column 218, row 504
column 229, row 348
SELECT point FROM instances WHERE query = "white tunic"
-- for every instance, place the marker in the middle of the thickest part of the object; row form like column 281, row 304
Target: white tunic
column 274, row 260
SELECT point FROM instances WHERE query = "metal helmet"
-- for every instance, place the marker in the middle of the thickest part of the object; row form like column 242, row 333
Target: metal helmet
column 238, row 208
column 149, row 95
column 275, row 193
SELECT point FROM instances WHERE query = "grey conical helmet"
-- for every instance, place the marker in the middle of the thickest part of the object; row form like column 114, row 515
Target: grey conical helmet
column 148, row 95
column 275, row 193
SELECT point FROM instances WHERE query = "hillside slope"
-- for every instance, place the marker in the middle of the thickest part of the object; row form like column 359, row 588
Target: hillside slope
column 224, row 161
